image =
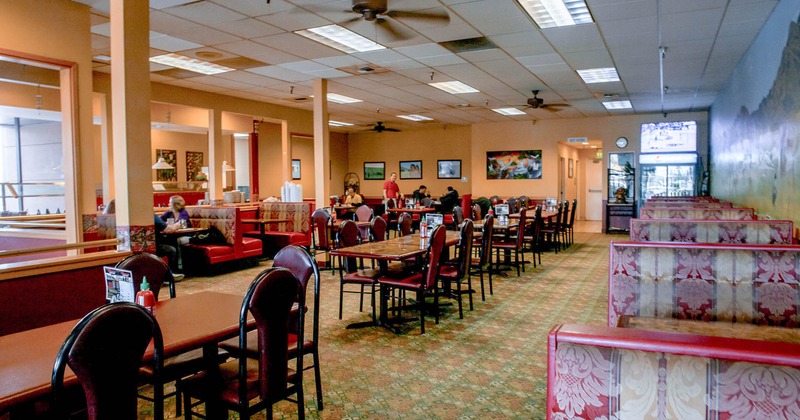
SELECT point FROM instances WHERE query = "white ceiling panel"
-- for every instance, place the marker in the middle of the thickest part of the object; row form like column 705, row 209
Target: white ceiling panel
column 704, row 40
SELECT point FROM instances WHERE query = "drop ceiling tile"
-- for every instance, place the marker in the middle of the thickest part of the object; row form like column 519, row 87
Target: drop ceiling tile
column 589, row 59
column 280, row 73
column 258, row 51
column 298, row 45
column 205, row 12
column 622, row 10
column 404, row 65
column 329, row 74
column 166, row 23
column 222, row 83
column 442, row 60
column 294, row 21
column 381, row 57
column 540, row 59
column 304, row 66
column 575, row 38
column 485, row 55
column 249, row 78
column 248, row 28
column 163, row 4
column 206, row 36
column 339, row 61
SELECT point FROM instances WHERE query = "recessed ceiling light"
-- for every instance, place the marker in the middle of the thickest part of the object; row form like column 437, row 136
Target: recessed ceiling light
column 341, row 99
column 599, row 75
column 455, row 87
column 102, row 58
column 415, row 117
column 191, row 64
column 552, row 13
column 508, row 111
column 617, row 105
column 340, row 38
column 338, row 123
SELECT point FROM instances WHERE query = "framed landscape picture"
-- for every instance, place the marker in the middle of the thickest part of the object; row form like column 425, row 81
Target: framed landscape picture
column 374, row 170
column 446, row 169
column 410, row 169
column 514, row 164
column 295, row 168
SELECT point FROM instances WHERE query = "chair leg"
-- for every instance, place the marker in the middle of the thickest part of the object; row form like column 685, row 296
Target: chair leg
column 421, row 303
column 491, row 276
column 460, row 299
column 178, row 400
column 469, row 291
column 483, row 294
column 341, row 298
column 318, row 379
column 361, row 300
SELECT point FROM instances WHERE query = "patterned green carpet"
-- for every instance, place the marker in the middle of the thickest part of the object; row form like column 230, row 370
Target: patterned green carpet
column 491, row 364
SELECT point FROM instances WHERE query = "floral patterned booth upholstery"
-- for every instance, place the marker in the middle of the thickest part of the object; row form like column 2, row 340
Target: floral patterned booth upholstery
column 704, row 213
column 713, row 231
column 743, row 283
column 598, row 372
column 228, row 221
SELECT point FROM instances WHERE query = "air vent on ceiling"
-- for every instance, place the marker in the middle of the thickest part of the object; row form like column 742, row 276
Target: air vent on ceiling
column 363, row 69
column 468, row 44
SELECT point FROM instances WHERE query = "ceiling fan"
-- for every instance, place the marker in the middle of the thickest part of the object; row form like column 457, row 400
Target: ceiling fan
column 380, row 128
column 538, row 103
column 378, row 11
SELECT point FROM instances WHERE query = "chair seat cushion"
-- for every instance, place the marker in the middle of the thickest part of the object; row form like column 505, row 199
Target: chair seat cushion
column 505, row 245
column 365, row 276
column 226, row 386
column 232, row 345
column 448, row 271
column 412, row 281
column 213, row 250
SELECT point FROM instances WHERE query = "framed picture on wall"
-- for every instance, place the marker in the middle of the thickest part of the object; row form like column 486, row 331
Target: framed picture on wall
column 447, row 169
column 569, row 168
column 171, row 157
column 374, row 170
column 411, row 169
column 295, row 168
column 194, row 163
column 514, row 164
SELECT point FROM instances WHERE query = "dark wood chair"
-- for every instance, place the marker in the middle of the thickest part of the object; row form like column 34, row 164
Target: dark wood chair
column 551, row 234
column 404, row 224
column 105, row 351
column 454, row 274
column 364, row 214
column 483, row 263
column 303, row 265
column 476, row 212
column 322, row 235
column 350, row 274
column 421, row 283
column 564, row 220
column 569, row 227
column 377, row 229
column 142, row 264
column 248, row 385
column 513, row 242
column 533, row 236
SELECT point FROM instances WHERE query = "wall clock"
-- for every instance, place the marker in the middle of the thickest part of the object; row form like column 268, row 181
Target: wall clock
column 622, row 142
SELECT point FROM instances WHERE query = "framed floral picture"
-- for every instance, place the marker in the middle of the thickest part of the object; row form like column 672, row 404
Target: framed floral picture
column 446, row 169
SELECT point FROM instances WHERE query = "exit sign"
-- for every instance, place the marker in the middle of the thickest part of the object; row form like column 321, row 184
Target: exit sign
column 577, row 140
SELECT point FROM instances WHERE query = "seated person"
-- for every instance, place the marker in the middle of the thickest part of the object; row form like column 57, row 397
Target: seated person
column 421, row 193
column 177, row 212
column 449, row 200
column 165, row 247
column 353, row 198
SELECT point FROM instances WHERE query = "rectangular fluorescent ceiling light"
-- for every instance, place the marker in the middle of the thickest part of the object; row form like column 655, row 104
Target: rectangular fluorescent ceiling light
column 599, row 75
column 333, row 123
column 191, row 64
column 455, row 87
column 341, row 99
column 415, row 117
column 553, row 13
column 508, row 111
column 617, row 105
column 340, row 38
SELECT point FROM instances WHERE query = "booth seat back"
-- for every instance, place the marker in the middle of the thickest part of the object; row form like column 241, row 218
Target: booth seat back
column 700, row 199
column 298, row 214
column 97, row 227
column 226, row 219
column 713, row 231
column 599, row 372
column 704, row 213
column 687, row 204
column 734, row 283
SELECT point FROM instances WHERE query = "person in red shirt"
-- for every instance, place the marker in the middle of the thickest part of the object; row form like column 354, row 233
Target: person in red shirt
column 391, row 189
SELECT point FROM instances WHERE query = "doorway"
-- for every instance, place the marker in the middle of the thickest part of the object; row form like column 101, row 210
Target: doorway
column 594, row 189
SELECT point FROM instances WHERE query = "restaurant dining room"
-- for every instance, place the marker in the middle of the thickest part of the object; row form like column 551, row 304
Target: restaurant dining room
column 428, row 209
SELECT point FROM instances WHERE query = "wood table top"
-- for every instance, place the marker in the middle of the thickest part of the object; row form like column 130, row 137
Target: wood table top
column 713, row 328
column 530, row 214
column 187, row 322
column 265, row 221
column 394, row 249
column 411, row 210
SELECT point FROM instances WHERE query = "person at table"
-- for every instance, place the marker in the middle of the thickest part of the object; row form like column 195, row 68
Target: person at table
column 449, row 200
column 420, row 193
column 165, row 247
column 177, row 212
column 352, row 198
column 391, row 189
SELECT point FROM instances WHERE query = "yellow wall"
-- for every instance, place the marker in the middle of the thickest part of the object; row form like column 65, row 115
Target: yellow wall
column 427, row 145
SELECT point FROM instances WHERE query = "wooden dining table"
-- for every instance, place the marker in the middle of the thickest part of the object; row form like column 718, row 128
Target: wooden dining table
column 189, row 322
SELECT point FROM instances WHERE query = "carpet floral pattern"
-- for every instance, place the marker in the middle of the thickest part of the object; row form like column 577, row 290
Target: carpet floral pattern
column 491, row 364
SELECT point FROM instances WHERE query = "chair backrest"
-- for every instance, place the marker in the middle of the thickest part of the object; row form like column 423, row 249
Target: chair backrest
column 269, row 299
column 364, row 214
column 303, row 265
column 523, row 220
column 458, row 216
column 494, row 200
column 321, row 221
column 435, row 248
column 404, row 224
column 143, row 264
column 513, row 205
column 378, row 229
column 390, row 203
column 557, row 219
column 465, row 247
column 524, row 201
column 486, row 239
column 564, row 214
column 105, row 351
column 348, row 236
column 476, row 212
column 572, row 215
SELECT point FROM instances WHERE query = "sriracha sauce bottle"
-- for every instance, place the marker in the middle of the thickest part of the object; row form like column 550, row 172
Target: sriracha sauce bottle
column 146, row 298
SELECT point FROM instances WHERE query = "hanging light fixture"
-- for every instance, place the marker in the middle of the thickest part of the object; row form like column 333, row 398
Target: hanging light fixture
column 162, row 164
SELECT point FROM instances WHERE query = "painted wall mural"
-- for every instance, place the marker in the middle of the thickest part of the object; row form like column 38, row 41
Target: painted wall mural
column 755, row 123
